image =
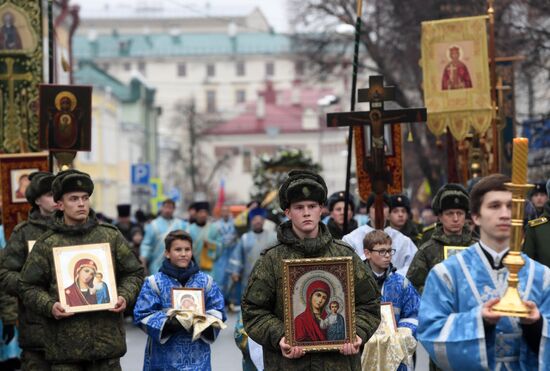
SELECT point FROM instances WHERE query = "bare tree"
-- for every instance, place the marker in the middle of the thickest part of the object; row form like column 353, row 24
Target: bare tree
column 199, row 172
column 390, row 41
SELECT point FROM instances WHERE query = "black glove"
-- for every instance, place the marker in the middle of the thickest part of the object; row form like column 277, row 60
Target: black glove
column 8, row 333
column 172, row 326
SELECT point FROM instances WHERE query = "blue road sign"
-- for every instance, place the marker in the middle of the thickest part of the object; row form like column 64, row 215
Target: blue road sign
column 141, row 174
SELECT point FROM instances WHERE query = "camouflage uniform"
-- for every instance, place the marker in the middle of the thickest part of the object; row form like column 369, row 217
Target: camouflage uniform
column 91, row 340
column 31, row 325
column 263, row 302
column 8, row 303
column 432, row 253
column 410, row 230
column 427, row 233
column 537, row 237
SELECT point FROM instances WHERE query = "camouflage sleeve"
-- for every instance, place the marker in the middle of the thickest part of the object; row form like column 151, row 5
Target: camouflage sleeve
column 259, row 300
column 530, row 243
column 418, row 270
column 129, row 272
column 36, row 276
column 10, row 268
column 367, row 301
column 8, row 303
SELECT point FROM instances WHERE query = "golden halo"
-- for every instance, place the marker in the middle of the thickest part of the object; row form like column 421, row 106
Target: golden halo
column 84, row 256
column 448, row 52
column 65, row 94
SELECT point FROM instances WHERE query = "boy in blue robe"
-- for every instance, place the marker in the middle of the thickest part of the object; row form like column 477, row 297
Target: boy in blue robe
column 169, row 345
column 457, row 324
column 395, row 288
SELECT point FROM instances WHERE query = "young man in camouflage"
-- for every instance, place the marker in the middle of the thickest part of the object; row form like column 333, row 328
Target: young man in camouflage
column 537, row 235
column 90, row 340
column 400, row 218
column 31, row 326
column 451, row 204
column 302, row 196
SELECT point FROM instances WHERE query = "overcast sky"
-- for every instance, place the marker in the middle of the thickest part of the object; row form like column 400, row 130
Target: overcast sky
column 274, row 10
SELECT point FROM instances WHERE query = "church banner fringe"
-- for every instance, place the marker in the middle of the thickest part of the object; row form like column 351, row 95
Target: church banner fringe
column 456, row 76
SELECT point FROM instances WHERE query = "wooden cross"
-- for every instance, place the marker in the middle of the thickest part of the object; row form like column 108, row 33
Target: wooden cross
column 10, row 76
column 376, row 94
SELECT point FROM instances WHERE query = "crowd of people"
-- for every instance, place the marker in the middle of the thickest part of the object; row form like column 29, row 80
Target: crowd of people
column 237, row 260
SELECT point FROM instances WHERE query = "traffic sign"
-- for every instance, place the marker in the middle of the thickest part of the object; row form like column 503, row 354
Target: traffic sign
column 141, row 174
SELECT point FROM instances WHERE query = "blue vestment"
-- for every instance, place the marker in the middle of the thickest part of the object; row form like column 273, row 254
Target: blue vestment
column 152, row 247
column 450, row 324
column 337, row 330
column 175, row 351
column 248, row 251
column 404, row 298
column 209, row 233
column 228, row 240
column 102, row 294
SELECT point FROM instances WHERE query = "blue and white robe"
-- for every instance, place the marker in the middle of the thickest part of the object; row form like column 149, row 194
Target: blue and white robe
column 450, row 323
column 228, row 237
column 175, row 351
column 248, row 251
column 208, row 232
column 405, row 300
column 152, row 247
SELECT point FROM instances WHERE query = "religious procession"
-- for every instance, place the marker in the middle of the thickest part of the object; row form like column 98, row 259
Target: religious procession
column 284, row 185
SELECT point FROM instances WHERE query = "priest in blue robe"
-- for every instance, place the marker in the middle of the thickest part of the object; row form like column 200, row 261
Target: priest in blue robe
column 457, row 324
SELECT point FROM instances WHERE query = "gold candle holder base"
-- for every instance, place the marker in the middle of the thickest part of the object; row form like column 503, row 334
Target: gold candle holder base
column 510, row 304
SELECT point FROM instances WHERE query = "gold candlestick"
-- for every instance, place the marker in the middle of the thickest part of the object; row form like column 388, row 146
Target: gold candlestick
column 510, row 304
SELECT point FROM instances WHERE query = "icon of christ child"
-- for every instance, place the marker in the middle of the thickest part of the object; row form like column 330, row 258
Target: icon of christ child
column 65, row 120
column 455, row 74
column 82, row 291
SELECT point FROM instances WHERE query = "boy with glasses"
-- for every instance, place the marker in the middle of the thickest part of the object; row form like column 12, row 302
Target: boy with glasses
column 394, row 287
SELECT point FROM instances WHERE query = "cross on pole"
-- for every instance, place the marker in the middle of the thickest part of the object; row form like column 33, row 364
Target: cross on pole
column 377, row 117
column 11, row 77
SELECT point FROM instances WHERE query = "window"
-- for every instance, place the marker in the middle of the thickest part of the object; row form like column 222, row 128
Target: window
column 182, row 69
column 210, row 101
column 270, row 69
column 127, row 66
column 240, row 96
column 241, row 71
column 210, row 70
column 141, row 68
column 299, row 68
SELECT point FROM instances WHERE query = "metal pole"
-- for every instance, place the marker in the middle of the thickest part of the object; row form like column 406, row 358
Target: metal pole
column 50, row 62
column 493, row 72
column 352, row 105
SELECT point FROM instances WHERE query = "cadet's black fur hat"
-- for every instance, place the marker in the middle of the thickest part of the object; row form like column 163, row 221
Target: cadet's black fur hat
column 370, row 200
column 451, row 196
column 41, row 183
column 71, row 181
column 400, row 201
column 302, row 185
column 124, row 210
column 202, row 205
column 337, row 197
column 539, row 188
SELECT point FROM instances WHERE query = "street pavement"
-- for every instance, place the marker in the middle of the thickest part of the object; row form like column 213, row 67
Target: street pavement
column 225, row 354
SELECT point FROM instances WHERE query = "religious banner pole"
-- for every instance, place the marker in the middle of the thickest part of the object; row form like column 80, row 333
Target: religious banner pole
column 50, row 61
column 493, row 76
column 352, row 107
